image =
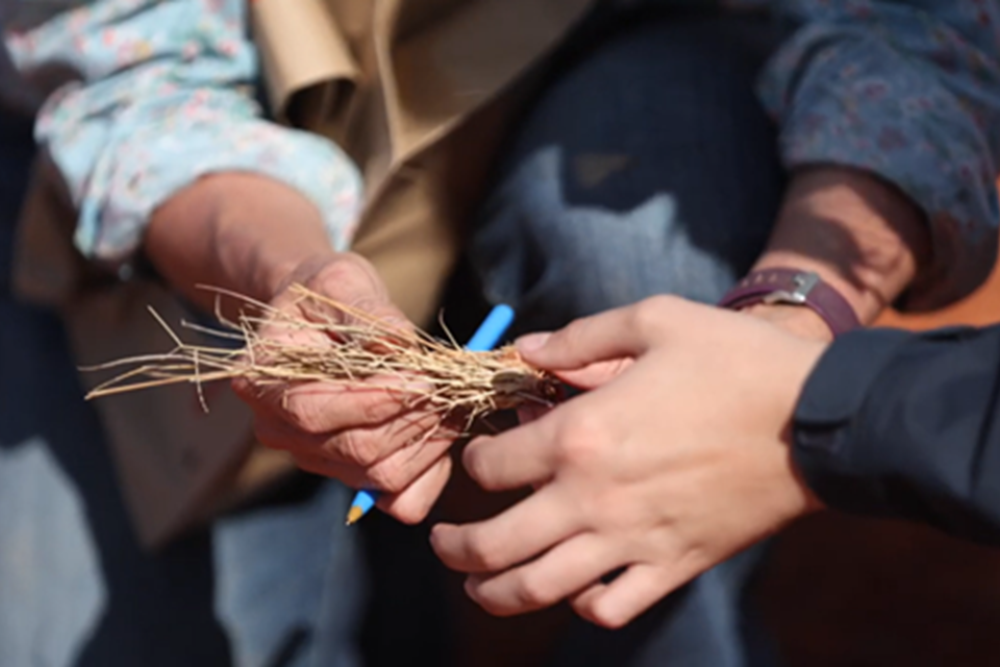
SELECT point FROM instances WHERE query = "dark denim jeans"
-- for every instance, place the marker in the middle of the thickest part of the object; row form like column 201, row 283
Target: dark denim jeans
column 647, row 166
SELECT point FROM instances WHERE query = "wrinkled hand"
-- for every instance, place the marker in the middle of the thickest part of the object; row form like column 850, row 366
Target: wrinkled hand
column 677, row 459
column 359, row 432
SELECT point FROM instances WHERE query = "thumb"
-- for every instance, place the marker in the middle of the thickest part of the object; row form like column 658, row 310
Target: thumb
column 609, row 336
column 594, row 375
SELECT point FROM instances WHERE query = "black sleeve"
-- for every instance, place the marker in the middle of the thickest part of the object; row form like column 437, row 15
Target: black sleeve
column 894, row 424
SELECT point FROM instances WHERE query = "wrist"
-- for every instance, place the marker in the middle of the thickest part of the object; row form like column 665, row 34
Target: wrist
column 265, row 233
column 234, row 231
column 864, row 303
column 798, row 320
column 789, row 376
column 803, row 297
column 860, row 234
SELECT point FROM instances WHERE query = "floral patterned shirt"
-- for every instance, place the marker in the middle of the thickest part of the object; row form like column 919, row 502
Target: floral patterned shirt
column 167, row 96
column 906, row 89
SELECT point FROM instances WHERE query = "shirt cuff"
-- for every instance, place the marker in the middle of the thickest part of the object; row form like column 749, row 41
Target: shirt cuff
column 150, row 154
column 845, row 97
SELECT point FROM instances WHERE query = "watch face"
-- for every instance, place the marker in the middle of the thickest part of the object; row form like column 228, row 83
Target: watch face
column 804, row 283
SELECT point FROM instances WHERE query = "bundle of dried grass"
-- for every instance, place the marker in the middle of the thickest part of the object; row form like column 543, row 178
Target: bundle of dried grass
column 425, row 372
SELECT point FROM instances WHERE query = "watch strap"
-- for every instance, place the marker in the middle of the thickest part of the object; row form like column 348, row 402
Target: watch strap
column 801, row 288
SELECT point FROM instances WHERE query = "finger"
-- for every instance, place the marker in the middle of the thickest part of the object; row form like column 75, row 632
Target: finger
column 281, row 331
column 322, row 407
column 633, row 592
column 350, row 280
column 622, row 332
column 530, row 527
column 317, row 465
column 399, row 469
column 276, row 434
column 413, row 504
column 569, row 567
column 366, row 444
column 345, row 291
column 354, row 282
column 396, row 448
column 595, row 375
column 515, row 459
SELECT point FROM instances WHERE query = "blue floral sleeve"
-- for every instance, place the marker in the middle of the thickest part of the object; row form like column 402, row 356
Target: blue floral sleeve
column 165, row 98
column 908, row 90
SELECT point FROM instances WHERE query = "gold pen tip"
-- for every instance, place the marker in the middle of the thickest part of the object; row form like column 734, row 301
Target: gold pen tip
column 354, row 515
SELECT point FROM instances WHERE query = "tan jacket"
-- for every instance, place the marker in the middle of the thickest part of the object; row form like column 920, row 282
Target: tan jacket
column 417, row 92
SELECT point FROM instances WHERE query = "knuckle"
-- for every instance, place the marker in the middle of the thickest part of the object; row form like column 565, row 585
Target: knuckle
column 375, row 407
column 243, row 389
column 304, row 414
column 597, row 611
column 607, row 617
column 534, row 592
column 259, row 397
column 357, row 448
column 496, row 607
column 488, row 602
column 473, row 462
column 572, row 334
column 491, row 607
column 409, row 513
column 335, row 274
column 581, row 442
column 350, row 274
column 648, row 315
column 482, row 553
column 389, row 476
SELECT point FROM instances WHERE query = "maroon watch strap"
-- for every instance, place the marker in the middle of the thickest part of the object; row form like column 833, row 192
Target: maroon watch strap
column 802, row 288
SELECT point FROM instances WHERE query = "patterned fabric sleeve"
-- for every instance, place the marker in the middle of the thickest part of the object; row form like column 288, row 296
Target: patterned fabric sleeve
column 165, row 98
column 908, row 90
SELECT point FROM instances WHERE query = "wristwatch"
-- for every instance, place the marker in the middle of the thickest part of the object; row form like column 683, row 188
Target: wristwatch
column 798, row 288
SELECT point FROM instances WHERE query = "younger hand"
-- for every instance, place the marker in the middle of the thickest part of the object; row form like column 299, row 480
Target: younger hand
column 676, row 460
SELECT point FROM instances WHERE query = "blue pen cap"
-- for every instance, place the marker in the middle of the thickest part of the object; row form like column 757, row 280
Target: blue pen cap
column 492, row 329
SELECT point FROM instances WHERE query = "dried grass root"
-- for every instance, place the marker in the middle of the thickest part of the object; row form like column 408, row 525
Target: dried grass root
column 430, row 374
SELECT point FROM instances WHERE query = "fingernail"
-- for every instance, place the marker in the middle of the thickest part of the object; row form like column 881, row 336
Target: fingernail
column 436, row 531
column 532, row 342
column 470, row 587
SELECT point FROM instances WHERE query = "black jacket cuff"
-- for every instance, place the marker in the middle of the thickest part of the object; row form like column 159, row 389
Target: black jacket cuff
column 900, row 425
column 825, row 426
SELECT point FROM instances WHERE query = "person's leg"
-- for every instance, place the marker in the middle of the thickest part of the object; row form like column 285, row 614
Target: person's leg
column 275, row 586
column 290, row 582
column 646, row 166
column 282, row 588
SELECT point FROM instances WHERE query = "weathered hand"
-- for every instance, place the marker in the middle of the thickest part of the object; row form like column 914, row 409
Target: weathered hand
column 358, row 432
column 677, row 459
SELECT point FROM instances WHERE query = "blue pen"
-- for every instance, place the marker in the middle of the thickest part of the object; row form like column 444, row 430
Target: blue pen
column 486, row 337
